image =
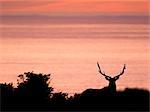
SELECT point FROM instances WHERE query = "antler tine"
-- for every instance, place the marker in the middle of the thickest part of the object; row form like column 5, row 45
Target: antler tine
column 100, row 70
column 122, row 70
column 124, row 66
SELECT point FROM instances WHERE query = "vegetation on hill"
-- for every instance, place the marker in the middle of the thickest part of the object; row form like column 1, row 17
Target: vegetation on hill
column 34, row 92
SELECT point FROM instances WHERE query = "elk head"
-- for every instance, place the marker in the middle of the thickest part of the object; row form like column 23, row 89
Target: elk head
column 112, row 80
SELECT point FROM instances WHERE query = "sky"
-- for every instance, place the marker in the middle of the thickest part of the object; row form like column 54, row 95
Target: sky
column 67, row 38
column 74, row 6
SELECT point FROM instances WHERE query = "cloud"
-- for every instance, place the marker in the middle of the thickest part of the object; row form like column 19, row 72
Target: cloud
column 74, row 19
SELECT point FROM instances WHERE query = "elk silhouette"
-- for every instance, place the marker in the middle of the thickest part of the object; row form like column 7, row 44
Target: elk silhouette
column 93, row 95
column 112, row 80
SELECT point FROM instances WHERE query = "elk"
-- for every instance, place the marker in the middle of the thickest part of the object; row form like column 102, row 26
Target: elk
column 98, row 95
column 112, row 80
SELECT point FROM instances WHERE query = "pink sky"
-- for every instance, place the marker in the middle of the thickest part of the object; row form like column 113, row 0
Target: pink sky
column 71, row 56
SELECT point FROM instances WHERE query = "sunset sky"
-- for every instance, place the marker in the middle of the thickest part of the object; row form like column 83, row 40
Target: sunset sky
column 74, row 6
column 67, row 38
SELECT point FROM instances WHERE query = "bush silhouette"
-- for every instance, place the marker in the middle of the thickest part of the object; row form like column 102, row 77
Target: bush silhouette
column 59, row 98
column 33, row 91
column 35, row 85
column 6, row 95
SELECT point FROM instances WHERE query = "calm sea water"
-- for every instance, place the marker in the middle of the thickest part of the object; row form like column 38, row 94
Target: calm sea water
column 70, row 52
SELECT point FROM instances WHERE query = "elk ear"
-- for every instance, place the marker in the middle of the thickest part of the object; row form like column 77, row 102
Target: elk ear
column 116, row 78
column 107, row 78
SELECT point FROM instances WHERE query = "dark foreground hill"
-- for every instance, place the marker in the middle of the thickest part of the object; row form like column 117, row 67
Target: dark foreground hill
column 34, row 93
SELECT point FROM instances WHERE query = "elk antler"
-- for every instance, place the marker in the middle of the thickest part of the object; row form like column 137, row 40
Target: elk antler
column 122, row 71
column 101, row 71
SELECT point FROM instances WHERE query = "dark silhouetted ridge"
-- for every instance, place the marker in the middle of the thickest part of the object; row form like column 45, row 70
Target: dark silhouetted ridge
column 35, row 94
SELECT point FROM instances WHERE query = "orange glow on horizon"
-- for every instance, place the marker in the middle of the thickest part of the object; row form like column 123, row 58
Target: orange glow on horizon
column 75, row 6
